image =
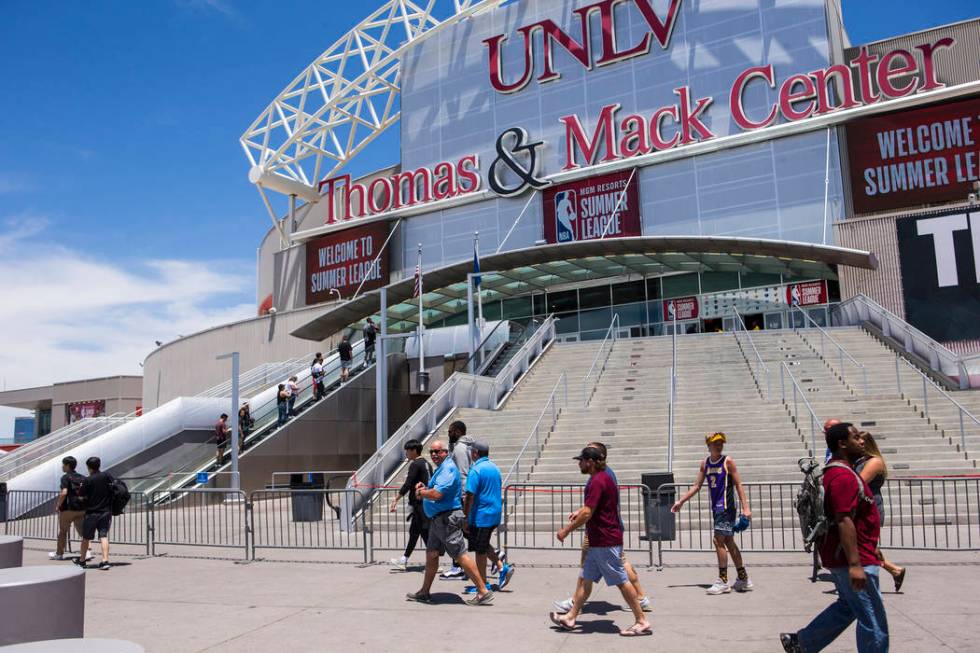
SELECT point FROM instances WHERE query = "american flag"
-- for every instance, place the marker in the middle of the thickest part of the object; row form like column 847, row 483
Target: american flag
column 417, row 291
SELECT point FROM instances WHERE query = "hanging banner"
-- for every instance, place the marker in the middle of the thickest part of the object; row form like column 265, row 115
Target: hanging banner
column 584, row 209
column 809, row 293
column 940, row 262
column 911, row 158
column 686, row 308
column 342, row 260
column 83, row 409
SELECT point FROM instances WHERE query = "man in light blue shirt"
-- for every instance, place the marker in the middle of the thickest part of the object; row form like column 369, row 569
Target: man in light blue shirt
column 483, row 508
column 442, row 503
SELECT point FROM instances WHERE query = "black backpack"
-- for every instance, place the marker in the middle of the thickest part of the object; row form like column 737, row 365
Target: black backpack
column 120, row 496
column 809, row 502
column 74, row 499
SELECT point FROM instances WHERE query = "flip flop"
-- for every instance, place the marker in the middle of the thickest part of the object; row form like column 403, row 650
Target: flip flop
column 899, row 580
column 556, row 619
column 634, row 631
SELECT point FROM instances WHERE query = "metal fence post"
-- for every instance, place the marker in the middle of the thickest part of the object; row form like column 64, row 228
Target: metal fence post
column 898, row 376
column 925, row 396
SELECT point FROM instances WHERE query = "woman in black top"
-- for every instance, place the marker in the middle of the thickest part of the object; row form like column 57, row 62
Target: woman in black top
column 874, row 471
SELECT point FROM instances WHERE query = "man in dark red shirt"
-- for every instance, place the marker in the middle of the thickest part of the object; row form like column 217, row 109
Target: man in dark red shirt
column 849, row 552
column 604, row 559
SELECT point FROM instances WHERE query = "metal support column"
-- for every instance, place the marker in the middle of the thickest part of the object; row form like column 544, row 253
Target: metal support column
column 381, row 376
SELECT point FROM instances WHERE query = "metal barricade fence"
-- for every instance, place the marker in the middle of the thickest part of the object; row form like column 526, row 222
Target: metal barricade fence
column 533, row 514
column 389, row 530
column 924, row 513
column 38, row 519
column 306, row 519
column 199, row 517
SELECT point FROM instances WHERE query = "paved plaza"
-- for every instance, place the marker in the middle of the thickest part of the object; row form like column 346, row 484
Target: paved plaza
column 191, row 604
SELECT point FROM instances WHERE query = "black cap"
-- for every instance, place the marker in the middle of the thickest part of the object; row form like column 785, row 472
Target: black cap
column 589, row 453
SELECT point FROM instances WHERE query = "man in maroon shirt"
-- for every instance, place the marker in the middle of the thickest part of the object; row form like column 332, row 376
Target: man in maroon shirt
column 604, row 559
column 849, row 552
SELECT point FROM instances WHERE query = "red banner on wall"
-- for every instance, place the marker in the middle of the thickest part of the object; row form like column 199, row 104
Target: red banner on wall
column 686, row 308
column 806, row 294
column 923, row 156
column 584, row 209
column 83, row 409
column 342, row 260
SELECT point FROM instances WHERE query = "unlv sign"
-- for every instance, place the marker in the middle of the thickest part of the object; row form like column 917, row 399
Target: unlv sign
column 580, row 47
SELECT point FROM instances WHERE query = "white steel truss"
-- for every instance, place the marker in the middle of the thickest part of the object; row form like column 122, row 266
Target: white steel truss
column 345, row 98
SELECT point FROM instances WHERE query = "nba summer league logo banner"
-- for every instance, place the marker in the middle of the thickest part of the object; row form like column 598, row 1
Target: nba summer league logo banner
column 588, row 209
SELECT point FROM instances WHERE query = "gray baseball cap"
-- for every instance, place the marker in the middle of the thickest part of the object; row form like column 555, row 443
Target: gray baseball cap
column 482, row 447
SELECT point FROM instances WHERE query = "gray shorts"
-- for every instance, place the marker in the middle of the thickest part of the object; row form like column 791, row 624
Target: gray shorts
column 446, row 534
column 605, row 562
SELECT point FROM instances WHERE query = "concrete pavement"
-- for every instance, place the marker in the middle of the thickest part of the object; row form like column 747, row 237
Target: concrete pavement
column 169, row 604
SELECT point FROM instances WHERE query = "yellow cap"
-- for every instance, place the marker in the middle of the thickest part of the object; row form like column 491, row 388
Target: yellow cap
column 716, row 437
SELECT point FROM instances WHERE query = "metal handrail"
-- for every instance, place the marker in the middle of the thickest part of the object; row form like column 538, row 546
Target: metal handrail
column 814, row 420
column 841, row 352
column 926, row 383
column 940, row 358
column 611, row 338
column 758, row 356
column 535, row 430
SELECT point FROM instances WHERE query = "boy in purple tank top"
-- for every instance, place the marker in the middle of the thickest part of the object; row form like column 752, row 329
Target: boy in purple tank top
column 723, row 481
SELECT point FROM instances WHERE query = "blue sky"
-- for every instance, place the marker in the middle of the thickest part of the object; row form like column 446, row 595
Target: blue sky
column 121, row 171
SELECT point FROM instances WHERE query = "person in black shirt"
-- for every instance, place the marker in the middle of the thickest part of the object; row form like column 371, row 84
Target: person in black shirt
column 346, row 358
column 370, row 335
column 97, row 498
column 68, row 506
column 418, row 472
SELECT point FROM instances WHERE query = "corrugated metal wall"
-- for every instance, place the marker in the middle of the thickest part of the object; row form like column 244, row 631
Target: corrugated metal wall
column 884, row 285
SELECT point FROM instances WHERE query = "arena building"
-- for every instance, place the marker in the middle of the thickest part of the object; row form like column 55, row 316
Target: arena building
column 658, row 160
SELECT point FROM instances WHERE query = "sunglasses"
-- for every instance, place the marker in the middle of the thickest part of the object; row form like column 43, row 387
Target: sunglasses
column 435, row 452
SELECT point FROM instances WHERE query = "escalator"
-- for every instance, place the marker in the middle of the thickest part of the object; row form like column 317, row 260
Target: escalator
column 501, row 355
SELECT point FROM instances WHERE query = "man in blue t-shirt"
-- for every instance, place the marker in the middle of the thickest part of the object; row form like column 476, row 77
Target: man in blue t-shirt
column 483, row 507
column 442, row 503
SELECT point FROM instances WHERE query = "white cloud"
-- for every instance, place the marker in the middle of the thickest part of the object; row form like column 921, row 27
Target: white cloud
column 65, row 315
column 12, row 182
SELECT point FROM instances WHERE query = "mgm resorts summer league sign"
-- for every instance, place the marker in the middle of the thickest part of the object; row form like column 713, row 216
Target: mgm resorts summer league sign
column 616, row 133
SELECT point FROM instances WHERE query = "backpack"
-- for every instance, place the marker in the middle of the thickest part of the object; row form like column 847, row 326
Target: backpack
column 809, row 501
column 120, row 496
column 74, row 499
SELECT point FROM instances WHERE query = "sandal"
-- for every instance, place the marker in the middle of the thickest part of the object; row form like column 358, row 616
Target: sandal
column 900, row 579
column 637, row 631
column 556, row 619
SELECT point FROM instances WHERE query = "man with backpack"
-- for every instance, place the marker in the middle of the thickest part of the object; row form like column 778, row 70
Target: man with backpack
column 69, row 506
column 97, row 496
column 847, row 533
column 723, row 483
column 419, row 471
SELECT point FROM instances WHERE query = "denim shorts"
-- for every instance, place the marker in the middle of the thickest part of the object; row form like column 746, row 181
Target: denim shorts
column 605, row 562
column 725, row 523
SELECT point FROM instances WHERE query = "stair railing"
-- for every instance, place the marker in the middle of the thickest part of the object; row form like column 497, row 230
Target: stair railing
column 798, row 394
column 591, row 379
column 760, row 365
column 842, row 354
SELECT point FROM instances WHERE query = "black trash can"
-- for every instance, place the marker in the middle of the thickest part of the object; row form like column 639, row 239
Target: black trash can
column 307, row 506
column 660, row 521
column 3, row 502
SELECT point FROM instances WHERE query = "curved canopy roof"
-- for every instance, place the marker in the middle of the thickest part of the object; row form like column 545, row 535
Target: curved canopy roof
column 535, row 269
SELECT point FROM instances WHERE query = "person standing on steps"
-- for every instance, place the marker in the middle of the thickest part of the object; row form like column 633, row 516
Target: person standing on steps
column 245, row 424
column 459, row 449
column 316, row 376
column 850, row 551
column 419, row 471
column 370, row 333
column 444, row 508
column 723, row 482
column 293, row 385
column 874, row 471
column 604, row 559
column 71, row 511
column 221, row 434
column 346, row 358
column 282, row 403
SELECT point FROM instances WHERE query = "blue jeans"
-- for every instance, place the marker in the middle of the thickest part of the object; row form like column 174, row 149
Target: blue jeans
column 283, row 413
column 865, row 606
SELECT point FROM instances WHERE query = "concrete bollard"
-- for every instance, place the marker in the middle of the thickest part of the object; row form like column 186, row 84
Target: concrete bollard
column 11, row 551
column 75, row 646
column 41, row 603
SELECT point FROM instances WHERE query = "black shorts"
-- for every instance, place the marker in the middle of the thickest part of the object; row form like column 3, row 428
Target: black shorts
column 96, row 521
column 479, row 539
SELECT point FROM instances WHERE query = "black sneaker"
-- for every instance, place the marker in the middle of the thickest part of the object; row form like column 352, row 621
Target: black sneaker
column 105, row 566
column 78, row 562
column 790, row 642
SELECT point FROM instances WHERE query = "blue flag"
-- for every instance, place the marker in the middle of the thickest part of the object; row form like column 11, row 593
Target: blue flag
column 477, row 279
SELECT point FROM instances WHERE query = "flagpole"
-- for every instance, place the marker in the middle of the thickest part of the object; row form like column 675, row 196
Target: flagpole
column 421, row 329
column 479, row 286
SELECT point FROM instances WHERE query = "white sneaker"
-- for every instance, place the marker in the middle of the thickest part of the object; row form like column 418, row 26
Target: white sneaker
column 562, row 607
column 399, row 563
column 453, row 573
column 645, row 604
column 89, row 555
column 719, row 587
column 56, row 556
column 743, row 585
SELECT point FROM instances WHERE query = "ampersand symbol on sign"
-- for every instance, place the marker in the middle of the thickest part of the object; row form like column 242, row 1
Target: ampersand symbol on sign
column 507, row 157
